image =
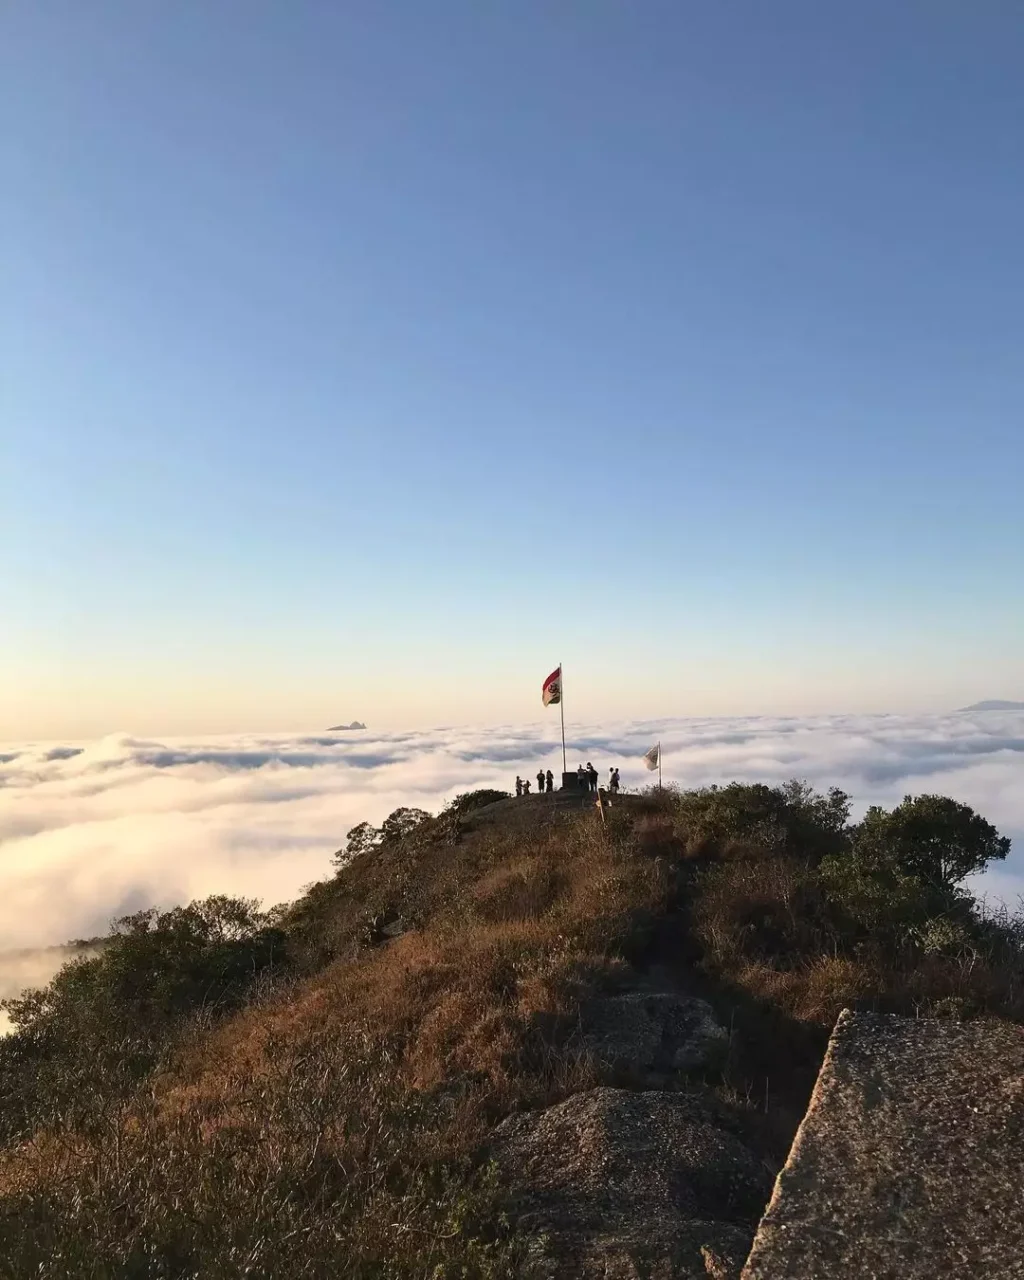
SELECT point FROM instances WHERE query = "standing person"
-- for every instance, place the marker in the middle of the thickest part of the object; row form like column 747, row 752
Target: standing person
column 540, row 782
column 591, row 776
column 613, row 783
column 581, row 778
column 550, row 779
column 526, row 787
column 519, row 785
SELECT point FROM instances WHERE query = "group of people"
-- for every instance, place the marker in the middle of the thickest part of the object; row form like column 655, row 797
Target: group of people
column 586, row 777
column 545, row 782
column 586, row 780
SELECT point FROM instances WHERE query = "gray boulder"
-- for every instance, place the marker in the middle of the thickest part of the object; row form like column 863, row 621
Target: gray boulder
column 909, row 1164
column 621, row 1185
column 646, row 1036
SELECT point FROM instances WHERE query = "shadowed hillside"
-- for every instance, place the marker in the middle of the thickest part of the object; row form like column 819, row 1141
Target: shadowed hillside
column 325, row 1089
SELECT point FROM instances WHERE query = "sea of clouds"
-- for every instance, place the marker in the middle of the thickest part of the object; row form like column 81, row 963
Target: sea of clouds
column 93, row 830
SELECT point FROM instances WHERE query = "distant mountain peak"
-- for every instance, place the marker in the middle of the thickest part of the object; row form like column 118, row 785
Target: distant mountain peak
column 995, row 704
column 338, row 728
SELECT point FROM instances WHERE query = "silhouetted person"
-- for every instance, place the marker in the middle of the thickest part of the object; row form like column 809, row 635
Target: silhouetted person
column 540, row 782
column 613, row 782
column 519, row 786
column 526, row 787
column 581, row 778
column 549, row 777
column 591, row 777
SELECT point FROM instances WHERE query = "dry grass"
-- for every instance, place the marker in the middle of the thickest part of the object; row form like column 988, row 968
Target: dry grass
column 335, row 1125
column 347, row 1109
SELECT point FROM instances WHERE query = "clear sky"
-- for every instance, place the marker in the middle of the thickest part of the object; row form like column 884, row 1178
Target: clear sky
column 365, row 359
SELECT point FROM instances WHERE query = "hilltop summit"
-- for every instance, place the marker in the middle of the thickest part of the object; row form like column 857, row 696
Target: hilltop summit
column 519, row 1038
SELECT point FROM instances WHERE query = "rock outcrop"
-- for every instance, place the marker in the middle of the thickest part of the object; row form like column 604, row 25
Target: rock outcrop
column 620, row 1184
column 646, row 1037
column 910, row 1161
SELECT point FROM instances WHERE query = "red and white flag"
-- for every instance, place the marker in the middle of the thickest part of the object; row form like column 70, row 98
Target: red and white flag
column 551, row 690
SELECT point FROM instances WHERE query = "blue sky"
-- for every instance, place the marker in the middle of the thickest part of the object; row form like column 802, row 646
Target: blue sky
column 367, row 359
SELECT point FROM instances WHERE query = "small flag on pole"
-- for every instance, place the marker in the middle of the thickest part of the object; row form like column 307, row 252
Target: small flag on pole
column 551, row 690
column 652, row 758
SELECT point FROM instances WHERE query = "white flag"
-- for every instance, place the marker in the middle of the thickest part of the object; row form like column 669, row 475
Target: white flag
column 652, row 757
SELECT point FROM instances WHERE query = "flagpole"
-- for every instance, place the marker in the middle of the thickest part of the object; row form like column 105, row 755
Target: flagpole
column 561, row 708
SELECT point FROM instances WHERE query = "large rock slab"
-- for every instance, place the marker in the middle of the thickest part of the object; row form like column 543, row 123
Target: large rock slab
column 621, row 1185
column 910, row 1160
column 646, row 1036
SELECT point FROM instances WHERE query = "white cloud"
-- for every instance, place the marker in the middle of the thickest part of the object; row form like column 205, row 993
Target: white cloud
column 92, row 830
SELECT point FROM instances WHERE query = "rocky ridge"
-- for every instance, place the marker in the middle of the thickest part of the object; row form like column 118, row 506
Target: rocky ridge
column 646, row 1175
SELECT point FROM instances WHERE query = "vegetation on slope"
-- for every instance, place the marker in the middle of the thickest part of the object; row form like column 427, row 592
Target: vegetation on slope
column 308, row 1092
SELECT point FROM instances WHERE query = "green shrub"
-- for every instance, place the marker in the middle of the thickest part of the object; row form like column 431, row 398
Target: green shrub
column 101, row 1024
column 883, row 904
column 793, row 818
column 898, row 880
column 943, row 936
column 467, row 801
column 932, row 838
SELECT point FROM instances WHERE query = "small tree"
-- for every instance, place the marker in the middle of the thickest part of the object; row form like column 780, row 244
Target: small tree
column 401, row 822
column 364, row 837
column 932, row 838
column 361, row 839
column 822, row 815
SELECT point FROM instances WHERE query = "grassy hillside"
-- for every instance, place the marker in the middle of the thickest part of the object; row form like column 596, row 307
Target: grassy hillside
column 309, row 1092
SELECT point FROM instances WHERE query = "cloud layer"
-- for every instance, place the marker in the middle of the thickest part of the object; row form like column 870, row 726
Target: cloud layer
column 93, row 830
